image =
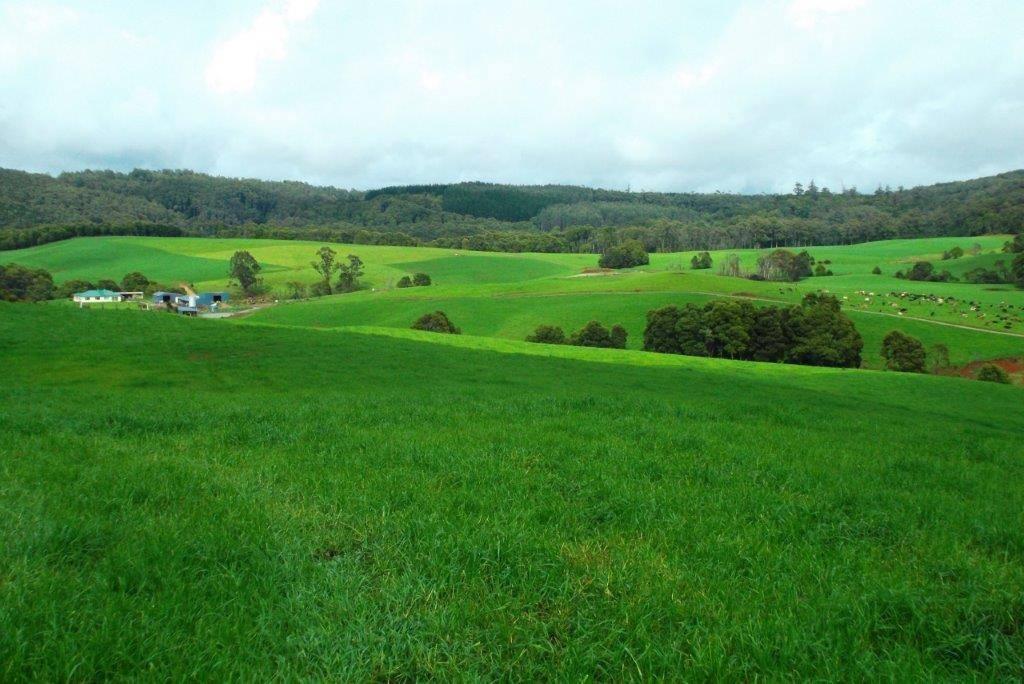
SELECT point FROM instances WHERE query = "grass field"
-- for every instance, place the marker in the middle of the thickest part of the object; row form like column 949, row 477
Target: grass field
column 184, row 498
column 508, row 295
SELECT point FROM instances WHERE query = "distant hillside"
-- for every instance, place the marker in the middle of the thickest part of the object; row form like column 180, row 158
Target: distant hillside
column 37, row 208
column 30, row 199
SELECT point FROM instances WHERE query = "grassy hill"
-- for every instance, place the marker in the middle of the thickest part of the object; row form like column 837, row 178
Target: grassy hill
column 195, row 498
column 508, row 295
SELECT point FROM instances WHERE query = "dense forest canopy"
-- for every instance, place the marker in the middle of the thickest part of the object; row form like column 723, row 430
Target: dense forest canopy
column 36, row 208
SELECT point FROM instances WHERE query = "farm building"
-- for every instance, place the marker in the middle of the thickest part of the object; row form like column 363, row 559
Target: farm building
column 96, row 297
column 208, row 299
column 190, row 304
column 166, row 297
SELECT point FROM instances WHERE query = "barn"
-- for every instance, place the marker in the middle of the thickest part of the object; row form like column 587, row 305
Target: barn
column 166, row 297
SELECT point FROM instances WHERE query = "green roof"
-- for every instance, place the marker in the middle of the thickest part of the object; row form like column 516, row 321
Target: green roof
column 97, row 293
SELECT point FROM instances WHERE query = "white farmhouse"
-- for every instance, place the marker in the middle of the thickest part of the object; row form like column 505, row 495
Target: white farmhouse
column 96, row 297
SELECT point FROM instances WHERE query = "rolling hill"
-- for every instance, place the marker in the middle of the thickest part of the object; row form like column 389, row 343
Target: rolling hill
column 190, row 497
column 508, row 295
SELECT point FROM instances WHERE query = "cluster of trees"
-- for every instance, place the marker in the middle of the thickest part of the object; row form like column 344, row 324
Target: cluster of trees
column 778, row 265
column 781, row 264
column 25, row 284
column 625, row 255
column 999, row 273
column 593, row 334
column 906, row 354
column 814, row 333
column 335, row 276
column 327, row 265
column 925, row 271
column 701, row 261
column 131, row 282
column 36, row 208
column 436, row 321
column 417, row 280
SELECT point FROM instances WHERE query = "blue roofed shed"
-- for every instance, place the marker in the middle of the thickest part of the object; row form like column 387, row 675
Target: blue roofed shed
column 209, row 298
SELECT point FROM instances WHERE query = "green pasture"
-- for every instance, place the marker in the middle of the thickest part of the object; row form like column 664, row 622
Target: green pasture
column 516, row 316
column 193, row 499
column 508, row 295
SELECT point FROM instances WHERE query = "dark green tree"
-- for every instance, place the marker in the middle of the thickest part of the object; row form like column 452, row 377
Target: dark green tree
column 438, row 322
column 922, row 270
column 767, row 335
column 801, row 267
column 349, row 274
column 1017, row 270
column 547, row 334
column 404, row 281
column 244, row 271
column 701, row 260
column 421, row 280
column 626, row 255
column 108, row 284
column 727, row 325
column 618, row 337
column 692, row 331
column 821, row 334
column 660, row 333
column 993, row 373
column 70, row 287
column 593, row 334
column 903, row 353
column 135, row 282
column 325, row 265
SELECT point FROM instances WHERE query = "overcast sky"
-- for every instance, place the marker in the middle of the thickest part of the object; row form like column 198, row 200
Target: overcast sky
column 704, row 95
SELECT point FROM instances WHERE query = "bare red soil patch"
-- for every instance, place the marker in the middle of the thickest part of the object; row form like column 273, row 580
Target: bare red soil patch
column 1013, row 365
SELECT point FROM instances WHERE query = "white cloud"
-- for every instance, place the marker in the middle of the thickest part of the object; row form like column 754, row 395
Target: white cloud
column 746, row 95
column 236, row 62
column 26, row 27
column 806, row 14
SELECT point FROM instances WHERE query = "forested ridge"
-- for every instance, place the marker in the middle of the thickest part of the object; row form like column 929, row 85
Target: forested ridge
column 37, row 208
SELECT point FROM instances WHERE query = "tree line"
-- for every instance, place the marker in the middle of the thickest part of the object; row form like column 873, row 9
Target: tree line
column 26, row 284
column 490, row 217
